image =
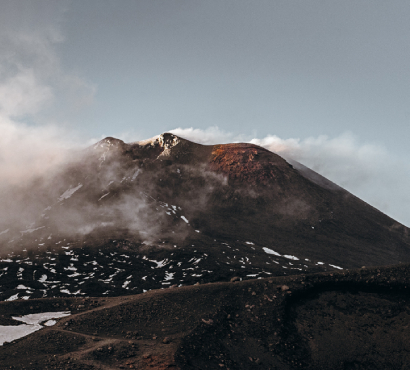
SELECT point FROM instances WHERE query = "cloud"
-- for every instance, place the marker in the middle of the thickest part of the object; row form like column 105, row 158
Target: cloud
column 342, row 158
column 211, row 135
column 29, row 152
column 33, row 87
column 22, row 94
column 367, row 170
column 33, row 83
column 36, row 93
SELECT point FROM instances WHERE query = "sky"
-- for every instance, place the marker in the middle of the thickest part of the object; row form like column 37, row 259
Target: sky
column 324, row 82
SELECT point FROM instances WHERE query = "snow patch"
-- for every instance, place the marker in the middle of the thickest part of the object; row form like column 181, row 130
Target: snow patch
column 69, row 192
column 159, row 263
column 37, row 318
column 42, row 279
column 126, row 283
column 169, row 275
column 31, row 230
column 134, row 176
column 103, row 196
column 288, row 256
column 50, row 323
column 270, row 251
column 31, row 324
column 12, row 298
column 22, row 287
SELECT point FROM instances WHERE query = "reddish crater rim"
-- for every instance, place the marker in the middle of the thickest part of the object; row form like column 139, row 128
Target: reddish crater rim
column 248, row 162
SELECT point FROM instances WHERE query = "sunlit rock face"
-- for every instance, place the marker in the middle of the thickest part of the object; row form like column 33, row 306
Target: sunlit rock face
column 124, row 218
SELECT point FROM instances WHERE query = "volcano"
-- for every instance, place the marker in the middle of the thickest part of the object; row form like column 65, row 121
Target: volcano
column 272, row 266
column 127, row 218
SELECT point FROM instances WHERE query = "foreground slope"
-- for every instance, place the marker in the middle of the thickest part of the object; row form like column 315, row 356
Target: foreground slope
column 342, row 320
column 128, row 218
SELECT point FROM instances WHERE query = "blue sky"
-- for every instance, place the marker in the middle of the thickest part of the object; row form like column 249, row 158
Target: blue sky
column 327, row 82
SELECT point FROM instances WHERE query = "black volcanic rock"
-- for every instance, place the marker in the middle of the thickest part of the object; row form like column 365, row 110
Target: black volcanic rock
column 127, row 218
column 337, row 320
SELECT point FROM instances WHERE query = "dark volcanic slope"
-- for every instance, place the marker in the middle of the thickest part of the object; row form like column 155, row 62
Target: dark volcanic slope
column 127, row 218
column 342, row 320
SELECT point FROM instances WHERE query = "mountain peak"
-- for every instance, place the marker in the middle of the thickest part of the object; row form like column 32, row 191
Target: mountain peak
column 168, row 140
column 108, row 142
column 165, row 140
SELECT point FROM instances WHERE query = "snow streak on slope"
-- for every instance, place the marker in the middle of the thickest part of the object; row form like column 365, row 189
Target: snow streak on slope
column 69, row 192
column 121, row 267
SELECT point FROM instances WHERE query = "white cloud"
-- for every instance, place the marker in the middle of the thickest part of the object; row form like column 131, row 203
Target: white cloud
column 368, row 171
column 32, row 80
column 36, row 93
column 343, row 158
column 23, row 94
column 211, row 135
column 27, row 152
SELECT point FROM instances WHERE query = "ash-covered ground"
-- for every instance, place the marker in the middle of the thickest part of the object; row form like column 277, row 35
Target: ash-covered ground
column 340, row 320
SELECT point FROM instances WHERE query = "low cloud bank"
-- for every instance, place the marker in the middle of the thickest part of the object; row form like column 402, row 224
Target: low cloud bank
column 31, row 152
column 368, row 171
column 30, row 158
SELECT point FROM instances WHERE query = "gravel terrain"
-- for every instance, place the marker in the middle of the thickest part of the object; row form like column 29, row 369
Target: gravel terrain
column 354, row 319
